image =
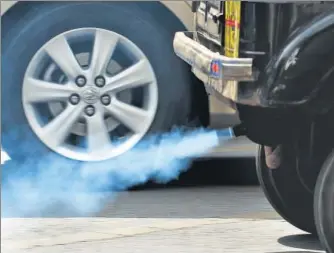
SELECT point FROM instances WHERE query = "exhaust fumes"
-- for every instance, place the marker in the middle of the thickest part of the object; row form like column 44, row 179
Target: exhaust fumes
column 53, row 185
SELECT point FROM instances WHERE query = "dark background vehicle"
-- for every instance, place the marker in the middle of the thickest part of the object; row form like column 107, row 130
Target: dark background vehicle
column 273, row 62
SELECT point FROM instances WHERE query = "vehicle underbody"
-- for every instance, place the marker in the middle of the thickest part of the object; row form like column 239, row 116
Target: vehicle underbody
column 273, row 63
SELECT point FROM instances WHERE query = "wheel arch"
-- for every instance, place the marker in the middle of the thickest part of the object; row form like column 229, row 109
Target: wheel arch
column 6, row 5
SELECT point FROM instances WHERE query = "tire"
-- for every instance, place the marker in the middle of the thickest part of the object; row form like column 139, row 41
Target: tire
column 285, row 191
column 324, row 204
column 43, row 21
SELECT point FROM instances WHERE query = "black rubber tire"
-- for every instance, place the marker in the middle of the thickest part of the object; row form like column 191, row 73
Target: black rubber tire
column 324, row 204
column 285, row 191
column 25, row 32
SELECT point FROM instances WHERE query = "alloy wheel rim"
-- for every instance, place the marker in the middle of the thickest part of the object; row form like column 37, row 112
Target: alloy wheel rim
column 89, row 95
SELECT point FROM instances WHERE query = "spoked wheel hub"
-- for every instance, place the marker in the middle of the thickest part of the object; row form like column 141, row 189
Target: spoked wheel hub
column 90, row 94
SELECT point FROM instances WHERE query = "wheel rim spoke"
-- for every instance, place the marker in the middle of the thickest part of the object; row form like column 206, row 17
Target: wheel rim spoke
column 60, row 127
column 133, row 117
column 137, row 75
column 41, row 91
column 61, row 53
column 104, row 46
column 98, row 138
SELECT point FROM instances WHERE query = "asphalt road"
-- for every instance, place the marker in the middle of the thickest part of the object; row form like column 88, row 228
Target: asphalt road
column 210, row 219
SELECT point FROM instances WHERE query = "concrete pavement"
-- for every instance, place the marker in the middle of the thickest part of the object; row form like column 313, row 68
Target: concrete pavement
column 209, row 219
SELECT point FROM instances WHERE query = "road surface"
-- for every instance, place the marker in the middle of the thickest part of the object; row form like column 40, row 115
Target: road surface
column 176, row 220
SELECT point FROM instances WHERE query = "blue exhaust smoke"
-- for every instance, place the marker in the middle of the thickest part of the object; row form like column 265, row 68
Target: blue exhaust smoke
column 54, row 185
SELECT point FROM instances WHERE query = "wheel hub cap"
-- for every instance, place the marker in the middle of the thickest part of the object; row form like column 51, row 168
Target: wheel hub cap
column 90, row 95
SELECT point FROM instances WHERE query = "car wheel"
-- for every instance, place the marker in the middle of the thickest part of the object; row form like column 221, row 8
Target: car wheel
column 89, row 80
column 324, row 204
column 285, row 190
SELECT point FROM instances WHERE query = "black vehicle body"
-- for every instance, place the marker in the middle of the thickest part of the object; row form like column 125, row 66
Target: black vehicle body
column 290, row 47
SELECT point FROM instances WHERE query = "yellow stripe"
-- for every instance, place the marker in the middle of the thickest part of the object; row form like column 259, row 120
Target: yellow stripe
column 232, row 36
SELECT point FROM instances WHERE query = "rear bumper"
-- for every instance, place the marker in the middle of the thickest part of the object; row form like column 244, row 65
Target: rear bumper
column 221, row 75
